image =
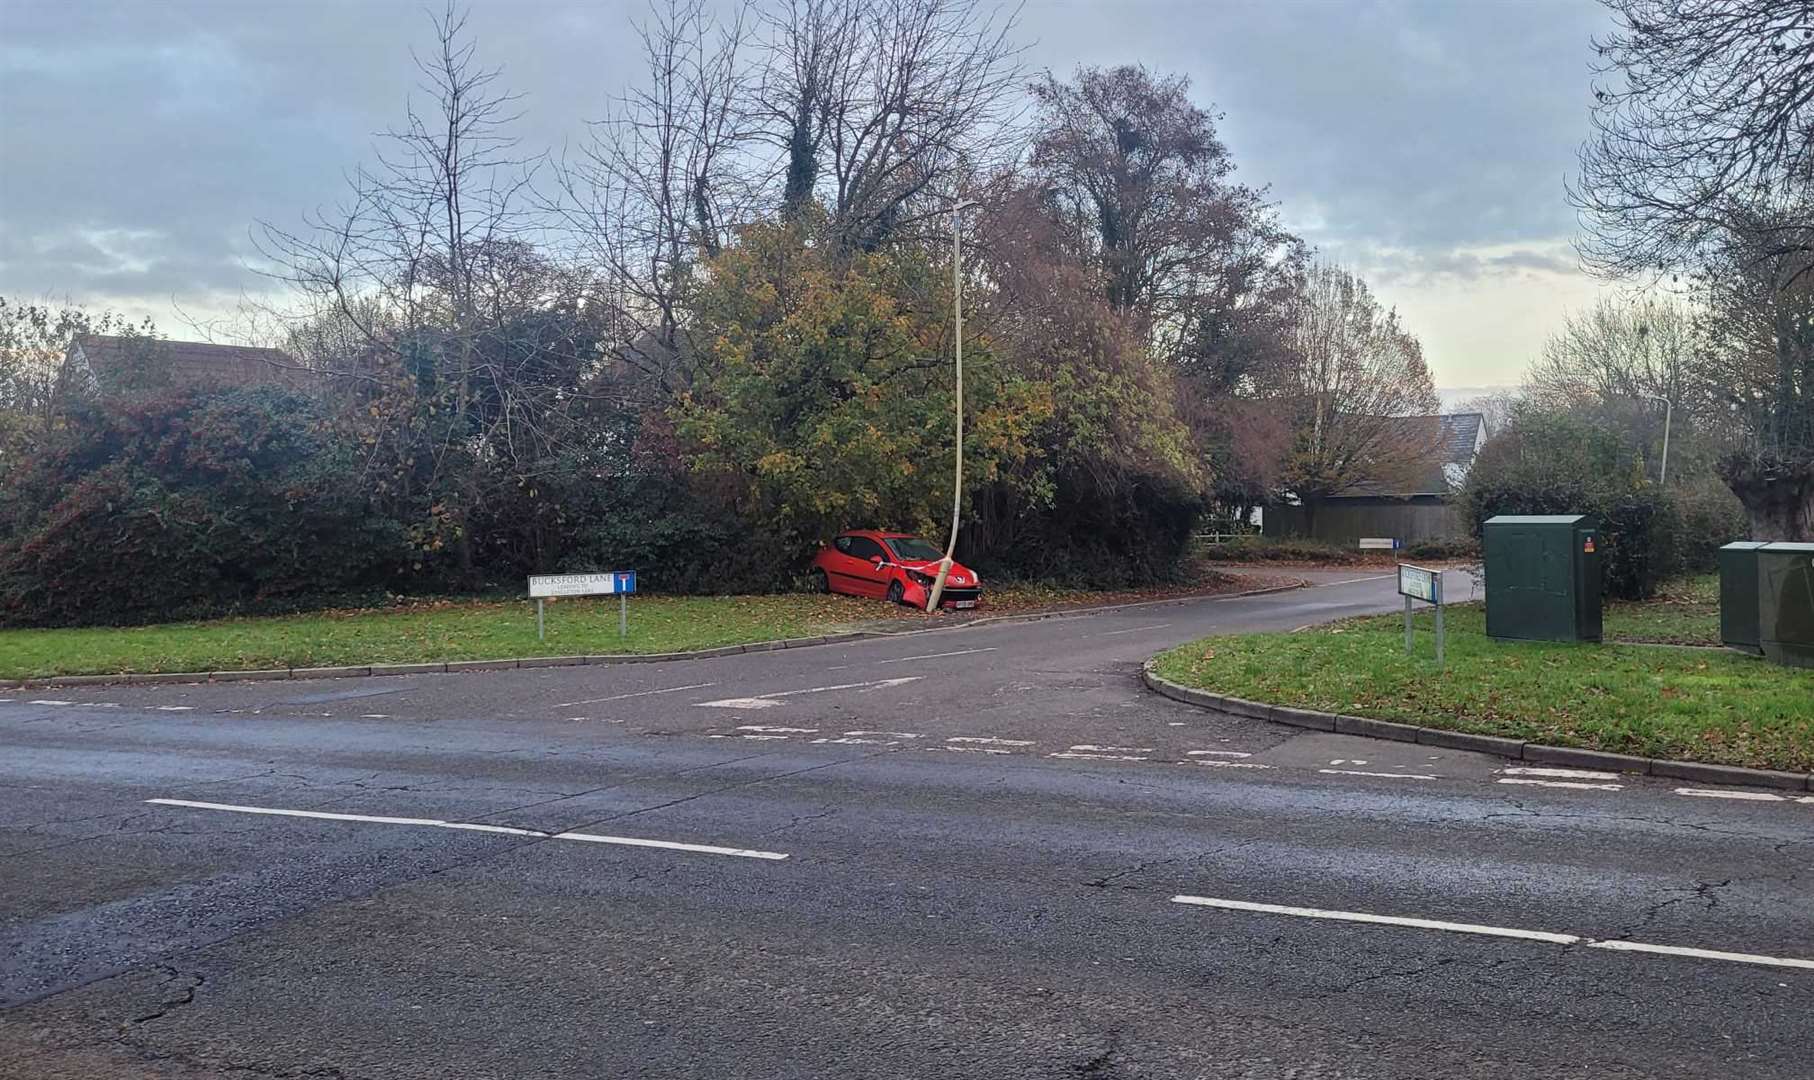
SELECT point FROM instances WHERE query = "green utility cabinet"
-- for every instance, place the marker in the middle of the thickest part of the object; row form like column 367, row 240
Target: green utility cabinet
column 1739, row 622
column 1543, row 577
column 1785, row 603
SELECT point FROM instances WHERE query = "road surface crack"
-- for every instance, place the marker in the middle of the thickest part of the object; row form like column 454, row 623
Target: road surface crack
column 178, row 989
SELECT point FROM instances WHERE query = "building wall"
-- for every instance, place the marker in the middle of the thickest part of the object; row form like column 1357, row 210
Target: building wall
column 1345, row 521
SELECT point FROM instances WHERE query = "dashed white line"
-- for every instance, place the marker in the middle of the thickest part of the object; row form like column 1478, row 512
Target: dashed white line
column 759, row 737
column 766, row 701
column 890, row 734
column 49, row 701
column 847, row 740
column 1227, row 764
column 1743, row 796
column 938, row 655
column 1385, row 775
column 1618, row 945
column 639, row 693
column 988, row 740
column 1562, row 774
column 173, row 708
column 1134, row 629
column 976, row 749
column 1572, row 785
column 1220, row 753
column 1094, row 749
column 466, row 826
column 1073, row 755
column 773, row 729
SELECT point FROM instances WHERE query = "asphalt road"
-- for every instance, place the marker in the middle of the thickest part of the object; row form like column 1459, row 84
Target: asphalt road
column 978, row 853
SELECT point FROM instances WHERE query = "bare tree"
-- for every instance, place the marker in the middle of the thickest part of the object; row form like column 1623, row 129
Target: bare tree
column 35, row 340
column 1360, row 394
column 1703, row 115
column 425, row 272
column 663, row 180
column 872, row 104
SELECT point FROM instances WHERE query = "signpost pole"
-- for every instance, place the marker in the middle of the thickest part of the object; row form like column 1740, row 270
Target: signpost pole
column 1408, row 638
column 1439, row 633
column 539, row 635
column 623, row 614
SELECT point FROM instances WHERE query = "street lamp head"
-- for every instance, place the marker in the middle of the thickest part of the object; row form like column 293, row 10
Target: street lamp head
column 965, row 204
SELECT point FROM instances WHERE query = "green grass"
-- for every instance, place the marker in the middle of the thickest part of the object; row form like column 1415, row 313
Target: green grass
column 1657, row 702
column 447, row 630
column 1683, row 612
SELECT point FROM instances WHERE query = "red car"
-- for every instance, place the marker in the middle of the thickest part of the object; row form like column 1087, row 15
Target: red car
column 892, row 566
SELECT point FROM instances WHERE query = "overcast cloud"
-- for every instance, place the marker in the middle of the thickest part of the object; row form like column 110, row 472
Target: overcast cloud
column 1424, row 142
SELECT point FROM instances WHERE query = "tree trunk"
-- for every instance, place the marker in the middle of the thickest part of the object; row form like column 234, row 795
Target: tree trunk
column 1778, row 495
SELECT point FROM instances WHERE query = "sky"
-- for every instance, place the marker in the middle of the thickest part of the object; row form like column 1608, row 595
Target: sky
column 1424, row 143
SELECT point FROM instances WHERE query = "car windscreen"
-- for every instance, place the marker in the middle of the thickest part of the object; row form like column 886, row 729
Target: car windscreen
column 913, row 549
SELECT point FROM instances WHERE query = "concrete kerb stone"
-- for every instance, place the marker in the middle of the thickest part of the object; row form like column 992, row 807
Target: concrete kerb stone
column 1511, row 749
column 334, row 672
column 476, row 665
column 411, row 669
column 249, row 676
column 549, row 661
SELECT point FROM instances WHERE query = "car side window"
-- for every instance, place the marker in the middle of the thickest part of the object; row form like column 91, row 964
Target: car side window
column 862, row 547
column 842, row 543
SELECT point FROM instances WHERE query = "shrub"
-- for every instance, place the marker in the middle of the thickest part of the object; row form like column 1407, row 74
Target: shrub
column 1464, row 548
column 187, row 504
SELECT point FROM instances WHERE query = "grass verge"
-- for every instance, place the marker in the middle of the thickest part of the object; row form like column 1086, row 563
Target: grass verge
column 443, row 630
column 1683, row 612
column 1656, row 702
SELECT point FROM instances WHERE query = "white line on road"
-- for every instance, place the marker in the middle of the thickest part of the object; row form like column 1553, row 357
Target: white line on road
column 774, row 730
column 49, row 701
column 1135, row 629
column 989, row 740
column 1227, row 764
column 594, row 838
column 1572, row 785
column 937, row 655
column 639, row 693
column 173, row 708
column 765, row 701
column 1220, row 753
column 746, row 736
column 1745, row 796
column 1562, row 774
column 1074, row 756
column 847, row 740
column 1386, row 775
column 1094, row 749
column 1618, row 945
column 975, row 749
column 890, row 734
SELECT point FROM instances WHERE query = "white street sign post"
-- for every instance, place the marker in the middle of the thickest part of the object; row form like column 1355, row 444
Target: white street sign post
column 1418, row 583
column 619, row 583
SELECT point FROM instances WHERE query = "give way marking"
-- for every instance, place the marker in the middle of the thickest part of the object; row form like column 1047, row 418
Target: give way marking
column 769, row 701
column 468, row 826
column 1611, row 944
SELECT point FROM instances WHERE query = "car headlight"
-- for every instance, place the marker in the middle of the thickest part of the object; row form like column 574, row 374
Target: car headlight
column 918, row 578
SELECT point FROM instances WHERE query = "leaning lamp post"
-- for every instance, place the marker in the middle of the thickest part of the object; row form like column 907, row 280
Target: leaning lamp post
column 957, row 314
column 1668, row 416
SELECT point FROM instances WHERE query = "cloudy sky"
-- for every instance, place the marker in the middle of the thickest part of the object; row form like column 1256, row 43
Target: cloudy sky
column 1425, row 142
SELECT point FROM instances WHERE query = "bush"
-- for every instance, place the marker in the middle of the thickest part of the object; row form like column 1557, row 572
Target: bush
column 1282, row 549
column 184, row 505
column 1466, row 548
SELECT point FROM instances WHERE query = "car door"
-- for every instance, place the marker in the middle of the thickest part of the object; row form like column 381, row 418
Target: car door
column 867, row 577
column 847, row 569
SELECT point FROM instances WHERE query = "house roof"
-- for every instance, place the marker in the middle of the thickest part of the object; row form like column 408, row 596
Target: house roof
column 1457, row 441
column 110, row 359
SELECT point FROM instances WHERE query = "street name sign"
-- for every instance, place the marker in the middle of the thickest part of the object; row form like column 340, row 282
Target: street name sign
column 1419, row 583
column 618, row 583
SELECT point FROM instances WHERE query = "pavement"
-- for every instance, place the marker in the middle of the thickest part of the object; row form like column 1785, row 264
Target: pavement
column 986, row 852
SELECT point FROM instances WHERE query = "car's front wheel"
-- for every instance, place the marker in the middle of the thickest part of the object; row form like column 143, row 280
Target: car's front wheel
column 896, row 594
column 820, row 583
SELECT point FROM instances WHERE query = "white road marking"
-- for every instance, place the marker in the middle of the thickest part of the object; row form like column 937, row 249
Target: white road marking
column 1746, row 796
column 1349, row 761
column 890, row 734
column 1572, row 785
column 1220, row 753
column 1094, row 749
column 766, row 701
column 1228, row 764
column 975, row 749
column 1135, row 629
column 937, row 655
column 746, row 736
column 177, row 708
column 989, row 740
column 374, row 716
column 848, row 741
column 639, row 693
column 1565, row 774
column 774, row 730
column 1073, row 755
column 1386, row 775
column 1611, row 945
column 594, row 838
column 49, row 701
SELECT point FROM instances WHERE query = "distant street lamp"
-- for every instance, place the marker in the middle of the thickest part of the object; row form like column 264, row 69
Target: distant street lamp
column 1668, row 415
column 957, row 484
